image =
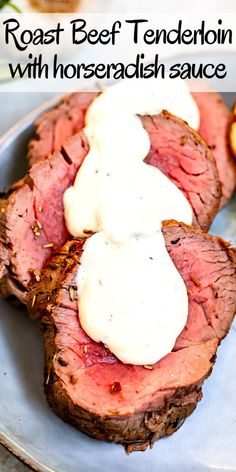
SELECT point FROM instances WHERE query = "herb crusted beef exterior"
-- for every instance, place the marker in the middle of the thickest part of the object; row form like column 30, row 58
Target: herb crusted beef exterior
column 32, row 222
column 134, row 405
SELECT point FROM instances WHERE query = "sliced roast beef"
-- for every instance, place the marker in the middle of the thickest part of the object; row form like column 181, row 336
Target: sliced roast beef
column 183, row 156
column 89, row 387
column 32, row 222
column 56, row 125
column 32, row 217
column 214, row 121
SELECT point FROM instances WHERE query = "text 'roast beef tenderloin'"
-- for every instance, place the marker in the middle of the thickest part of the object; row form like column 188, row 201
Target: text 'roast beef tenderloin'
column 54, row 126
column 31, row 215
column 89, row 387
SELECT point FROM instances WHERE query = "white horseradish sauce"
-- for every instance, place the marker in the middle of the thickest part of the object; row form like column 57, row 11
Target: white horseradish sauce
column 131, row 296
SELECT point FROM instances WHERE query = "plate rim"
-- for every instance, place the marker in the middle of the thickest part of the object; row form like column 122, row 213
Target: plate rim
column 21, row 455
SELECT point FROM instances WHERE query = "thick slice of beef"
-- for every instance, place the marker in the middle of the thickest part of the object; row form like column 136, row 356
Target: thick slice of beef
column 32, row 222
column 89, row 387
column 56, row 125
column 183, row 156
column 214, row 121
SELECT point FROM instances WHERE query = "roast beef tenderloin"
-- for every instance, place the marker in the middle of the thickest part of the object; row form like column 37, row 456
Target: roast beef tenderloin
column 90, row 388
column 54, row 126
column 32, row 222
column 32, row 217
column 214, row 121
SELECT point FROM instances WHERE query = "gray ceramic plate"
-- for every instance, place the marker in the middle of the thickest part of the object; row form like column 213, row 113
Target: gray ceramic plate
column 28, row 428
